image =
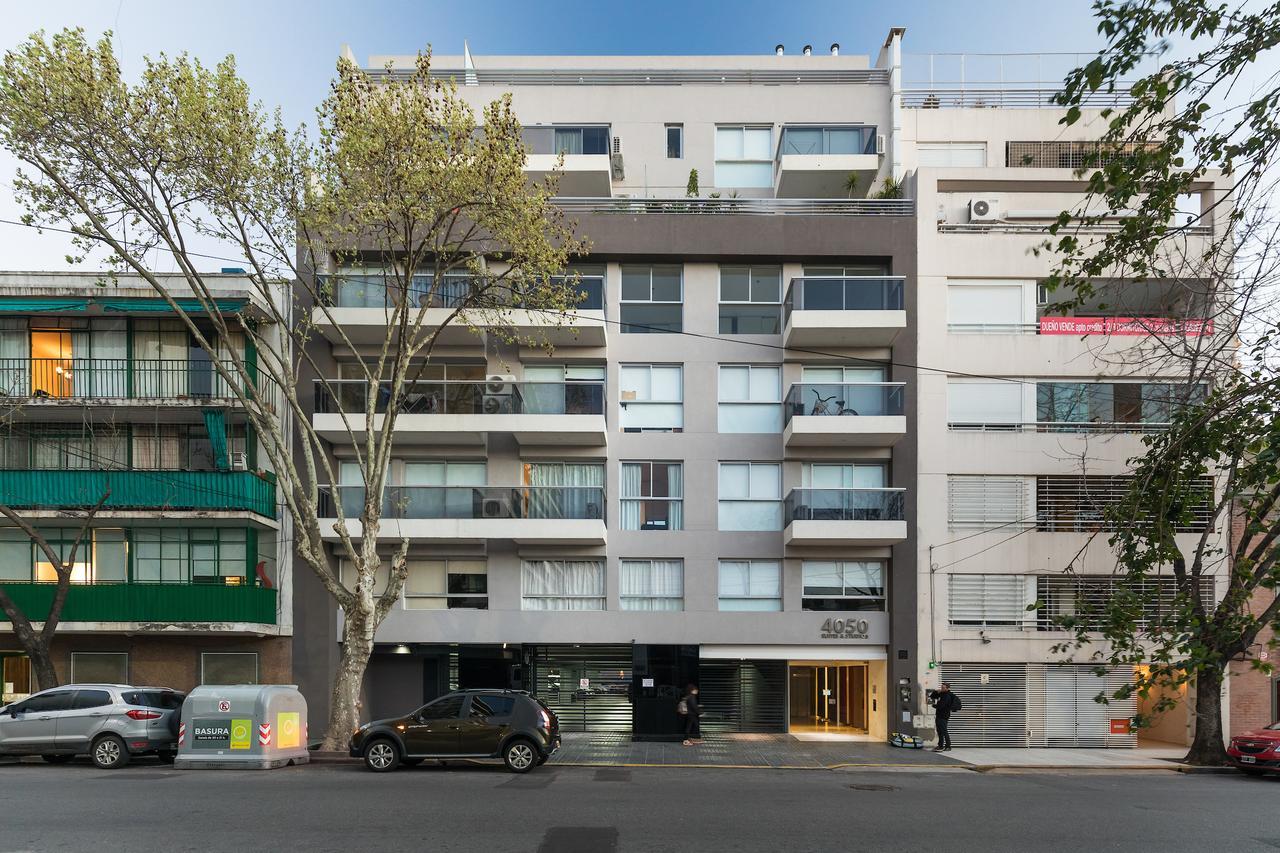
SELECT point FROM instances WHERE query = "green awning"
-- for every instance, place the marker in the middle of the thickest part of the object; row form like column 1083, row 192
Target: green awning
column 160, row 306
column 215, row 421
column 30, row 306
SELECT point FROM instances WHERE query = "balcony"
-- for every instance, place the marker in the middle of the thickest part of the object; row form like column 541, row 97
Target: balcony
column 544, row 413
column 186, row 491
column 586, row 170
column 819, row 161
column 868, row 517
column 526, row 515
column 133, row 603
column 844, row 312
column 867, row 414
column 739, row 206
column 59, row 381
column 357, row 311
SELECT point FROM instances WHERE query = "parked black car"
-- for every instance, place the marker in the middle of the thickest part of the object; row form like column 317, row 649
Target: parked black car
column 508, row 724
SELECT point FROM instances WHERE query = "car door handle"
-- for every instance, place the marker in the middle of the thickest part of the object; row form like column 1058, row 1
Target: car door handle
column 98, row 714
column 45, row 718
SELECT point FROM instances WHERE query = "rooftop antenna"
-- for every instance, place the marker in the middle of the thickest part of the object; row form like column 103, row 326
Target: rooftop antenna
column 468, row 67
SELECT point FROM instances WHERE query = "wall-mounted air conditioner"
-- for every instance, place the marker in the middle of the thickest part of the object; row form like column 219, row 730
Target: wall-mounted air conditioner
column 984, row 209
column 880, row 143
column 495, row 508
column 498, row 395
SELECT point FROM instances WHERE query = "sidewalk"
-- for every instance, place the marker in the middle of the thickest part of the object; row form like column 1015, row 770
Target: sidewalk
column 787, row 752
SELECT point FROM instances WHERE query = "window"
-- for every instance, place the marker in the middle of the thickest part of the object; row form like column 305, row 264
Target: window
column 841, row 391
column 675, row 141
column 86, row 699
column 564, row 489
column 492, row 706
column 744, row 157
column 750, row 585
column 984, row 405
column 651, row 584
column 952, row 154
column 15, row 555
column 559, row 389
column 652, row 397
column 1067, row 601
column 750, row 496
column 1081, row 504
column 562, row 585
column 100, row 557
column 994, row 308
column 843, row 475
column 990, row 601
column 99, row 667
column 750, row 300
column 581, row 140
column 1072, row 406
column 652, row 298
column 843, row 585
column 652, row 496
column 228, row 667
column 182, row 555
column 984, row 502
column 60, row 701
column 446, row 708
column 750, row 398
column 440, row 584
column 829, row 140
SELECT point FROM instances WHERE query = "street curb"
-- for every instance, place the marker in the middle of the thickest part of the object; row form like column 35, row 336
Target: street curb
column 320, row 757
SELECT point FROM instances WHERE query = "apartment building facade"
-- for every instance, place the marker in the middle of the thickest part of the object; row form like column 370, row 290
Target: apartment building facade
column 710, row 481
column 183, row 577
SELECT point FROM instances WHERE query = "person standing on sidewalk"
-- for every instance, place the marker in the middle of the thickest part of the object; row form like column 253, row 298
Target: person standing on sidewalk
column 944, row 703
column 691, row 709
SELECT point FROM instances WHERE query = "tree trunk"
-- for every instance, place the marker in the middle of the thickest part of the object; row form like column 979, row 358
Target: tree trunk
column 1207, row 746
column 42, row 666
column 33, row 644
column 344, row 709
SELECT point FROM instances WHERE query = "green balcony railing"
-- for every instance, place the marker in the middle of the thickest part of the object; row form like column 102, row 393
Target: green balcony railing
column 160, row 602
column 177, row 490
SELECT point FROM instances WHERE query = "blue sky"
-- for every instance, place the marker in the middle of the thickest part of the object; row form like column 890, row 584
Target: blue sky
column 286, row 49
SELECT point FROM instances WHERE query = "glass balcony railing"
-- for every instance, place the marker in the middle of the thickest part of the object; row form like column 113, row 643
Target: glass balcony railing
column 820, row 399
column 150, row 602
column 821, row 293
column 114, row 378
column 361, row 290
column 836, row 139
column 173, row 490
column 462, row 502
column 465, row 398
column 844, row 505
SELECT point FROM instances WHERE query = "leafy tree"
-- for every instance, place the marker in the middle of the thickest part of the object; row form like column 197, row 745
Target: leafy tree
column 402, row 174
column 1196, row 119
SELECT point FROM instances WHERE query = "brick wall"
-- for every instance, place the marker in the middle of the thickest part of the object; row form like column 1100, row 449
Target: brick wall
column 1253, row 694
column 175, row 661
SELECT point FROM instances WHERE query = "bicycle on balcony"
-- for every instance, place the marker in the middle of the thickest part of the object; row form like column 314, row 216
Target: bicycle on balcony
column 823, row 405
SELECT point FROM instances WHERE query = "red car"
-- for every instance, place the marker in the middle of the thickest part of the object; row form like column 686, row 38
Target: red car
column 1257, row 752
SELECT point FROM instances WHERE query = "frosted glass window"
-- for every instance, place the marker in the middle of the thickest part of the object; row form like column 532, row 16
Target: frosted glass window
column 989, row 305
column 744, row 157
column 750, row 399
column 978, row 403
column 651, row 397
column 750, row 496
column 952, row 154
column 752, row 585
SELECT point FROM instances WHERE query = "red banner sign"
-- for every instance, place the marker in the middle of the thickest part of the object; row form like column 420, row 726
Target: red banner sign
column 1125, row 326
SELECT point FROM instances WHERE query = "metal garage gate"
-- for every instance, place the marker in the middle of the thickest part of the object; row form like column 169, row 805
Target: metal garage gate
column 743, row 695
column 589, row 687
column 1037, row 705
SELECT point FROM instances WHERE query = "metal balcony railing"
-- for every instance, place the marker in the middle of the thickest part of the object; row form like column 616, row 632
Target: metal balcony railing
column 1060, row 154
column 1062, row 426
column 844, row 505
column 851, row 399
column 168, row 490
column 466, row 502
column 151, row 602
column 464, row 398
column 114, row 378
column 741, row 206
column 830, row 293
column 364, row 290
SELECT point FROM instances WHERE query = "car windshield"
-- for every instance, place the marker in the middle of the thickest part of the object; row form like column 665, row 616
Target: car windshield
column 164, row 699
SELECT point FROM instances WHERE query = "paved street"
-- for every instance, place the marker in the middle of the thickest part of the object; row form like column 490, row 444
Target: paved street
column 597, row 810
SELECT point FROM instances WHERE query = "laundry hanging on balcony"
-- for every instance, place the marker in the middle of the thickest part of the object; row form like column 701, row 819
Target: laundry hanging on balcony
column 215, row 421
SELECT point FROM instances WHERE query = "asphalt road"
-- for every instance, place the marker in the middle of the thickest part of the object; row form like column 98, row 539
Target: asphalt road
column 598, row 810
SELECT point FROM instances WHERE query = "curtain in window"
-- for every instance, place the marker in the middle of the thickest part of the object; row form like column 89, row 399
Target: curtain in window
column 160, row 353
column 15, row 352
column 562, row 585
column 746, row 585
column 568, row 490
column 632, row 510
column 158, row 447
column 651, row 584
column 568, row 141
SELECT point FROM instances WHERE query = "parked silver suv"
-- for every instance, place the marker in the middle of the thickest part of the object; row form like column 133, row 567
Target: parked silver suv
column 108, row 722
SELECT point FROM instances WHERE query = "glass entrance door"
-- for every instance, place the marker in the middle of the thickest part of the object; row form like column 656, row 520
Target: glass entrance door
column 828, row 697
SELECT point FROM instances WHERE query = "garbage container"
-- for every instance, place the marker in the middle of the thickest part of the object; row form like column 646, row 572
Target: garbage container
column 243, row 727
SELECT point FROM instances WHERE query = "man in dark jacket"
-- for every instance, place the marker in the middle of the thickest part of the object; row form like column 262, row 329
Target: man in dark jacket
column 944, row 702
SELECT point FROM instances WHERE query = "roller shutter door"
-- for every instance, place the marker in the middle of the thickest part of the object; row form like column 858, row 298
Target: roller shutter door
column 604, row 705
column 1062, row 710
column 743, row 695
column 994, row 699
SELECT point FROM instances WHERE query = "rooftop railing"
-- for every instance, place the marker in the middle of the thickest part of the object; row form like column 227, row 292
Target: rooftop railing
column 464, row 398
column 740, row 206
column 469, row 502
column 844, row 505
column 1001, row 80
column 352, row 290
column 823, row 293
column 846, row 399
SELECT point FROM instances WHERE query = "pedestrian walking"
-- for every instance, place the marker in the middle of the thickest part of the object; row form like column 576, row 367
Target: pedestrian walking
column 945, row 703
column 691, row 709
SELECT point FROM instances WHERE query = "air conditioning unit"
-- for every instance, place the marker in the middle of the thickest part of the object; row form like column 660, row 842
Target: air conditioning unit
column 615, row 167
column 495, row 508
column 880, row 145
column 240, row 461
column 498, row 391
column 984, row 209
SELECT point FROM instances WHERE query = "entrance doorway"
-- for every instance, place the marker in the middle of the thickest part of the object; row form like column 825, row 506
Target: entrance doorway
column 16, row 680
column 828, row 697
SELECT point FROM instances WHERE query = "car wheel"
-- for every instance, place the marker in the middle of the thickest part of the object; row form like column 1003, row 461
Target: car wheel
column 411, row 762
column 520, row 756
column 109, row 753
column 381, row 756
column 58, row 758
